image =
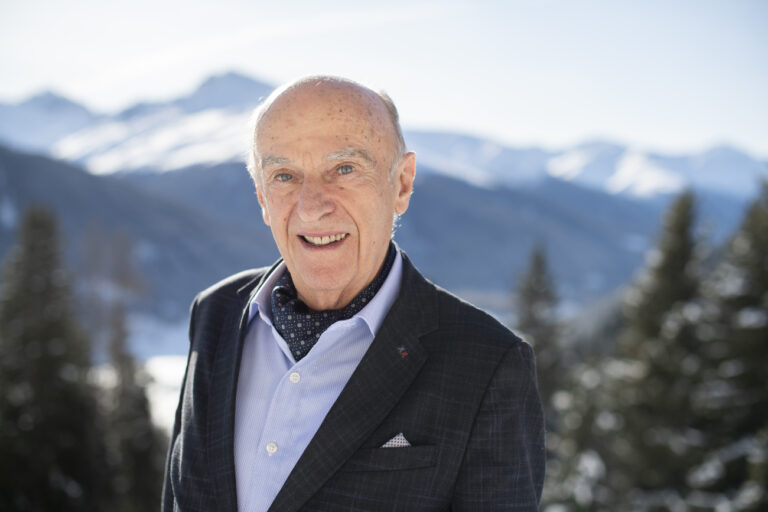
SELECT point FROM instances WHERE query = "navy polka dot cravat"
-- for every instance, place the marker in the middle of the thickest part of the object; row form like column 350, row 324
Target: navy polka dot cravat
column 301, row 326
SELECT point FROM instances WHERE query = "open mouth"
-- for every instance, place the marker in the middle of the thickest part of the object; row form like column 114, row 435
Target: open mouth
column 320, row 241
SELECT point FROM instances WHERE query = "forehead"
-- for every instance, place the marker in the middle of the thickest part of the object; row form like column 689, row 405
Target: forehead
column 347, row 112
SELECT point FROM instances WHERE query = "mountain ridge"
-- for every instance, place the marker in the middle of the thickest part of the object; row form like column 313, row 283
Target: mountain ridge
column 209, row 125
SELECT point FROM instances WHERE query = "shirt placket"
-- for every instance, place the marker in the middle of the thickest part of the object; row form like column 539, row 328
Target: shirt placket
column 272, row 463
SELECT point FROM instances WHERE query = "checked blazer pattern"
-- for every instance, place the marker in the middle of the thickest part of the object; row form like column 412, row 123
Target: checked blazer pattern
column 456, row 383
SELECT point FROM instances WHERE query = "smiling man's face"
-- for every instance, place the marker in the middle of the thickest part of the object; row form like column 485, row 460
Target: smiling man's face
column 325, row 151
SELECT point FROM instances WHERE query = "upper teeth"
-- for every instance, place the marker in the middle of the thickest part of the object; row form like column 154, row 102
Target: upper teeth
column 324, row 240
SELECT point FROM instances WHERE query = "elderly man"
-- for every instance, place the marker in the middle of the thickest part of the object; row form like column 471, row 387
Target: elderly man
column 339, row 378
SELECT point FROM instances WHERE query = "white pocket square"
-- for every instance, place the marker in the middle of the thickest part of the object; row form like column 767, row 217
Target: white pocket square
column 399, row 441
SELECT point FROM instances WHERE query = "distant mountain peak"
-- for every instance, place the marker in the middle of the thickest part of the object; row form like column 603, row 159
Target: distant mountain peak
column 229, row 78
column 44, row 97
column 724, row 151
column 50, row 101
column 230, row 90
column 39, row 121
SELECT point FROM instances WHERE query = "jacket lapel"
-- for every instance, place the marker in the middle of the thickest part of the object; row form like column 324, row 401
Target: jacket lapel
column 222, row 397
column 384, row 374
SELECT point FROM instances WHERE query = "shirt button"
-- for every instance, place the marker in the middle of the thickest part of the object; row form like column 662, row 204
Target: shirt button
column 294, row 377
column 272, row 448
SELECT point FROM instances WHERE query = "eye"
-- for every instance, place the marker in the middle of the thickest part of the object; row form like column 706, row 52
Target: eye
column 345, row 169
column 283, row 177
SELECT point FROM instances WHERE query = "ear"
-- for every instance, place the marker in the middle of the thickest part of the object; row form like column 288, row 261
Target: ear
column 403, row 179
column 264, row 212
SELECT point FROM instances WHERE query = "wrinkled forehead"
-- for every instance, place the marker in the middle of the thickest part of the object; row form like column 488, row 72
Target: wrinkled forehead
column 341, row 105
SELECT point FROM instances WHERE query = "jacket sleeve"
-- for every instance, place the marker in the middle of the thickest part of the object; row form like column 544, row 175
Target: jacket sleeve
column 503, row 467
column 168, row 503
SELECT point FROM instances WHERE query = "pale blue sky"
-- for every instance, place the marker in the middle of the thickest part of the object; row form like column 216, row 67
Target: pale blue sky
column 664, row 75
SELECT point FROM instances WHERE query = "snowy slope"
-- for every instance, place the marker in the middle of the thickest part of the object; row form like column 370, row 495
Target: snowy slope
column 478, row 161
column 624, row 170
column 162, row 140
column 208, row 126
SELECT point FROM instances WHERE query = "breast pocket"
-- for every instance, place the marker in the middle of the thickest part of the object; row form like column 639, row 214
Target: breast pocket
column 392, row 459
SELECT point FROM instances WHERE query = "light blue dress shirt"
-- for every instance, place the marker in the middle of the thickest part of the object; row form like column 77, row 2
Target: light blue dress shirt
column 281, row 403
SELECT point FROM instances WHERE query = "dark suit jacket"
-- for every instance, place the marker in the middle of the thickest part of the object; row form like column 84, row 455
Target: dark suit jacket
column 465, row 397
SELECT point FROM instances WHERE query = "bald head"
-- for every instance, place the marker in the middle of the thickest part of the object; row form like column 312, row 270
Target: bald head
column 319, row 98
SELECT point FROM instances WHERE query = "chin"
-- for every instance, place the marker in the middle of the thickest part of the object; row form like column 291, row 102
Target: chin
column 325, row 280
column 328, row 284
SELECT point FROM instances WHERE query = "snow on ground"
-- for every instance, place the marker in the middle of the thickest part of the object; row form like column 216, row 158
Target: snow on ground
column 637, row 175
column 167, row 372
column 162, row 347
column 570, row 164
column 165, row 377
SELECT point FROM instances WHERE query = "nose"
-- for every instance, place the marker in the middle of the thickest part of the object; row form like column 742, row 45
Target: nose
column 314, row 202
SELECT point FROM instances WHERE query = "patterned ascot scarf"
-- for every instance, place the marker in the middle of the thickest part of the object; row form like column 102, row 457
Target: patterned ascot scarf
column 300, row 326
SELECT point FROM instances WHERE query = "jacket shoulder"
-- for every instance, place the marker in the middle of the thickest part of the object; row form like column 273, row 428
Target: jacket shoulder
column 456, row 323
column 455, row 313
column 229, row 286
column 215, row 305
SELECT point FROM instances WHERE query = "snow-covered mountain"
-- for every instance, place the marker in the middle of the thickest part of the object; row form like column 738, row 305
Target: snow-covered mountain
column 39, row 122
column 616, row 169
column 157, row 139
column 209, row 126
column 479, row 161
column 624, row 170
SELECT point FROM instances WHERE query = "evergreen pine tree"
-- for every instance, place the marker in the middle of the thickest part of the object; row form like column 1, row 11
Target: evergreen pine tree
column 734, row 394
column 136, row 446
column 537, row 323
column 658, row 361
column 646, row 429
column 670, row 279
column 51, row 454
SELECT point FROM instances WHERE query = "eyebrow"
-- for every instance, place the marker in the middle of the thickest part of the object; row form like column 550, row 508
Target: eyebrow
column 271, row 160
column 351, row 152
column 342, row 154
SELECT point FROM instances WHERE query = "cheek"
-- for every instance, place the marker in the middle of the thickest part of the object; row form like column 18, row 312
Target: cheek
column 279, row 211
column 378, row 221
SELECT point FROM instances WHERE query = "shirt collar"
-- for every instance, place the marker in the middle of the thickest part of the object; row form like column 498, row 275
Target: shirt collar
column 372, row 314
